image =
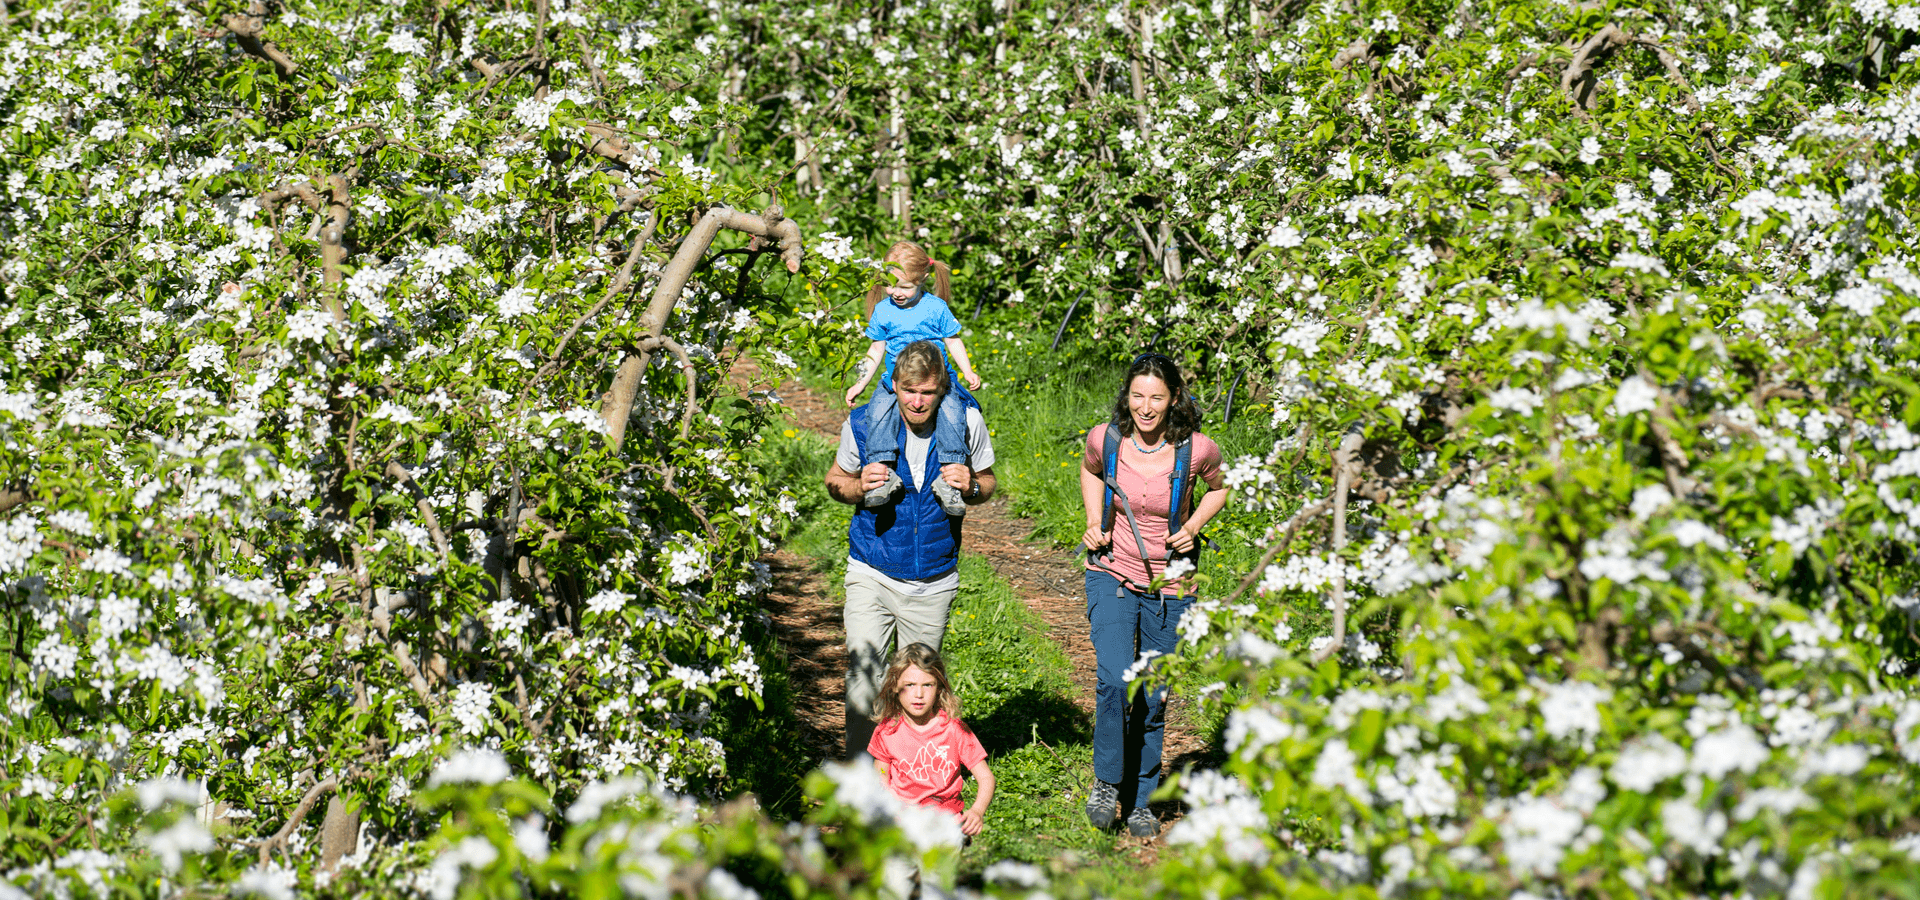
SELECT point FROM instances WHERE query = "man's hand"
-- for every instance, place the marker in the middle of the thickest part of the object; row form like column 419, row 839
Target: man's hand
column 957, row 475
column 873, row 475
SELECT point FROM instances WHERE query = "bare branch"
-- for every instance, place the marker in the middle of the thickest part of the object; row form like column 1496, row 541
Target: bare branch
column 333, row 237
column 615, row 288
column 617, row 405
column 1357, row 52
column 15, row 494
column 1346, row 467
column 1286, row 539
column 540, row 30
column 399, row 473
column 382, row 618
column 686, row 367
column 1674, row 74
column 1580, row 69
column 279, row 839
column 246, row 28
column 305, row 193
column 586, row 53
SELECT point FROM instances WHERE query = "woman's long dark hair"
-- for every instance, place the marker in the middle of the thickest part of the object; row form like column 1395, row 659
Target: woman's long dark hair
column 1183, row 414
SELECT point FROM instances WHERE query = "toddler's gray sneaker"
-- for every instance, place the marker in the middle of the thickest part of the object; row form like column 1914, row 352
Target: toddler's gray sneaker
column 1142, row 823
column 949, row 497
column 1103, row 804
column 880, row 495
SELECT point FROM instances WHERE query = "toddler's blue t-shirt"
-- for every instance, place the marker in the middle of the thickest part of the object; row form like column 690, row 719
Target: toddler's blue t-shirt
column 928, row 319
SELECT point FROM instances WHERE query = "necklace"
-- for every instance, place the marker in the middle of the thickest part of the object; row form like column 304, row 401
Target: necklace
column 1155, row 449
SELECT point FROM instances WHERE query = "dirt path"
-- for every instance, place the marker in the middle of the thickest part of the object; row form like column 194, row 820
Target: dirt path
column 808, row 620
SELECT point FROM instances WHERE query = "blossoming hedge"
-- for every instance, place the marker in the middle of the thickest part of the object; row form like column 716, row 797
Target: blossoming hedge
column 1586, row 330
column 365, row 401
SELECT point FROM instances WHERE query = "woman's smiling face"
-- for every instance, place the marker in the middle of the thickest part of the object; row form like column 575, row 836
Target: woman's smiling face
column 1148, row 399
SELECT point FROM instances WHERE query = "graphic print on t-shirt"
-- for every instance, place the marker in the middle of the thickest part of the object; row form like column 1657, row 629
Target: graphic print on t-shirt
column 931, row 765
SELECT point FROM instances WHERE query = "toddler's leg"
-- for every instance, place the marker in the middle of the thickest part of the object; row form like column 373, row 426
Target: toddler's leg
column 883, row 443
column 950, row 447
column 950, row 431
column 883, row 427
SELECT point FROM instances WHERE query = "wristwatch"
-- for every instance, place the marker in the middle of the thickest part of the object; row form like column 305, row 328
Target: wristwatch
column 973, row 488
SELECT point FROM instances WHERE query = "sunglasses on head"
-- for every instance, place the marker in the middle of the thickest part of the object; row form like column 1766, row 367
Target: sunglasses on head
column 1162, row 357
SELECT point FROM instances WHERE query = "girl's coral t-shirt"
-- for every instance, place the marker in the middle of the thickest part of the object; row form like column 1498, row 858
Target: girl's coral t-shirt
column 1146, row 479
column 925, row 767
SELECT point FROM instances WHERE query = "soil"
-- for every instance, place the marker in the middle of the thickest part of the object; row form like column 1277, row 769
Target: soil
column 1048, row 579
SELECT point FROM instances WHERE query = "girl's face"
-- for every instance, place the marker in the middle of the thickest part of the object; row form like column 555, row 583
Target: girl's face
column 901, row 290
column 1148, row 399
column 919, row 692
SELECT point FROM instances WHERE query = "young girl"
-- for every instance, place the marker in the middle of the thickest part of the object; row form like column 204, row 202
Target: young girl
column 913, row 314
column 920, row 744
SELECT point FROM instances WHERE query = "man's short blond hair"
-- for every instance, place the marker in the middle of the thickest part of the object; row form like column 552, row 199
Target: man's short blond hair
column 918, row 363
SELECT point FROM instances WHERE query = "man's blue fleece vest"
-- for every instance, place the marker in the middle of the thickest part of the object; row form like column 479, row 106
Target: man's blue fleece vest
column 913, row 539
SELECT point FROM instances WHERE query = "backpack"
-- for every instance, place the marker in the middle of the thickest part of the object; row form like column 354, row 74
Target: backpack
column 1178, row 479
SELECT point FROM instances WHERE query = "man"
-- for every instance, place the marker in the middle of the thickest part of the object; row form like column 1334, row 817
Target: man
column 903, row 549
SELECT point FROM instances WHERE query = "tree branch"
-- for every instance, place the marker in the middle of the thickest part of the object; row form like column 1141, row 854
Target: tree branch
column 1293, row 526
column 1346, row 466
column 1580, row 68
column 686, row 367
column 615, row 288
column 15, row 494
column 617, row 405
column 1672, row 64
column 279, row 839
column 246, row 28
column 399, row 473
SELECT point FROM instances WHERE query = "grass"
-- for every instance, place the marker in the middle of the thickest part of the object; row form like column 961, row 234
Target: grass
column 1016, row 691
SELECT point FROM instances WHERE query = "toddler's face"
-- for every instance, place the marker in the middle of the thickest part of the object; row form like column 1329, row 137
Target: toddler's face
column 918, row 691
column 901, row 290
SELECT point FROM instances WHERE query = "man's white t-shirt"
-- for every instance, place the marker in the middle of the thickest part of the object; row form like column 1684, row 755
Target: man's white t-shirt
column 979, row 446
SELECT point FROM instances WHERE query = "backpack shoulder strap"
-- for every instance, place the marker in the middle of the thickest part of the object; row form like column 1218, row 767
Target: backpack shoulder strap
column 1180, row 484
column 1110, row 464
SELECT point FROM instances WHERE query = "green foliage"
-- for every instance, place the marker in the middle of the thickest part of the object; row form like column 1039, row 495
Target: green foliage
column 1622, row 321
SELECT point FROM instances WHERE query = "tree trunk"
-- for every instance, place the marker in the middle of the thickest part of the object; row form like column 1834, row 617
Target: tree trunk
column 806, row 173
column 1169, row 247
column 900, row 182
column 339, row 833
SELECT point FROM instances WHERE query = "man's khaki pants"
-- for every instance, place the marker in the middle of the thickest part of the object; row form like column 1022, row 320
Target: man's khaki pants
column 876, row 615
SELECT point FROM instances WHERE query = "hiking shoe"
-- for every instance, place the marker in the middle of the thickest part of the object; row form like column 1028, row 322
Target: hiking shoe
column 949, row 497
column 1142, row 823
column 1103, row 804
column 880, row 495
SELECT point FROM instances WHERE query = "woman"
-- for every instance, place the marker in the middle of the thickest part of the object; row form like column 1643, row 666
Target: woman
column 1129, row 543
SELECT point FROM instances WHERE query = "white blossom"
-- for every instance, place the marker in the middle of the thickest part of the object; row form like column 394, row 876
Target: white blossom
column 473, row 765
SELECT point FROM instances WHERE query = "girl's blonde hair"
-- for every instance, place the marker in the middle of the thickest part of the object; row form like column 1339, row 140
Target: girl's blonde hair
column 927, row 660
column 914, row 264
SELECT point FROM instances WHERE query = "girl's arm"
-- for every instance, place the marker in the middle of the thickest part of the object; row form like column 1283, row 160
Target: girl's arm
column 975, row 817
column 868, row 367
column 957, row 349
column 1214, row 500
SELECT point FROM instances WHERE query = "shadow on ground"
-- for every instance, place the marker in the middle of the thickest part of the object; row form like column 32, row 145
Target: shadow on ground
column 1029, row 714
